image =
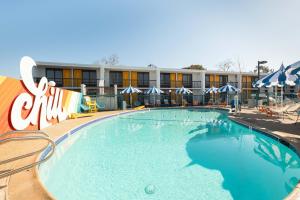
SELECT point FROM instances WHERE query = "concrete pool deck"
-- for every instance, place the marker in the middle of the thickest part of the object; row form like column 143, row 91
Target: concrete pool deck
column 26, row 185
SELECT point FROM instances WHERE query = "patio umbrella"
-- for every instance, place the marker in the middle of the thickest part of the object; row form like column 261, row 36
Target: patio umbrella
column 213, row 90
column 293, row 74
column 130, row 90
column 183, row 91
column 277, row 78
column 154, row 90
column 228, row 88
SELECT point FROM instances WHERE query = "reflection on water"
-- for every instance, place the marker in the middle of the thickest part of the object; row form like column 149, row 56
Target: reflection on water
column 277, row 156
column 228, row 148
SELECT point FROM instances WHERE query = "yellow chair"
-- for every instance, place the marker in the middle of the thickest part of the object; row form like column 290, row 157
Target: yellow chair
column 91, row 104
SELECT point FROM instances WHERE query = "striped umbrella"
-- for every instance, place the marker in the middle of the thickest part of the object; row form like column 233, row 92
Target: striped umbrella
column 130, row 90
column 213, row 90
column 277, row 78
column 183, row 91
column 228, row 88
column 153, row 90
column 293, row 74
column 294, row 68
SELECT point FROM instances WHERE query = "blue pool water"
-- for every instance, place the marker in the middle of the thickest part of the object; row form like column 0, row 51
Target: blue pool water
column 184, row 154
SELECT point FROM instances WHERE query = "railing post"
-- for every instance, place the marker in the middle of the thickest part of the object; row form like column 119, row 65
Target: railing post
column 83, row 89
column 116, row 96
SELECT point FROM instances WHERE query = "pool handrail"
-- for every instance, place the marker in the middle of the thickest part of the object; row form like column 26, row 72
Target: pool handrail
column 10, row 137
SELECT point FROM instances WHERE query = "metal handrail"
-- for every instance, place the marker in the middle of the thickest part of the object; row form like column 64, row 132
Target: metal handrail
column 42, row 136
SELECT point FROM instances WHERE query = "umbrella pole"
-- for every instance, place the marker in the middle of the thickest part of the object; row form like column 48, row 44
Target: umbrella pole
column 227, row 99
column 276, row 95
column 281, row 96
column 130, row 99
column 154, row 100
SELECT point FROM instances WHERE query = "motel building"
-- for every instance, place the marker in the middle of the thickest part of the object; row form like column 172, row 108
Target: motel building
column 108, row 81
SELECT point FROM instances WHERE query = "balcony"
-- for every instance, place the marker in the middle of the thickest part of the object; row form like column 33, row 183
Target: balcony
column 72, row 82
column 134, row 83
column 247, row 85
column 219, row 84
column 178, row 84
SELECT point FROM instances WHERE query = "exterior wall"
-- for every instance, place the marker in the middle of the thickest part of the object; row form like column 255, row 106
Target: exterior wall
column 232, row 78
column 152, row 78
column 106, row 77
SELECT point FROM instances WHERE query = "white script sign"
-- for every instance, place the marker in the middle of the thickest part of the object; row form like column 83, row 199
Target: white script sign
column 41, row 108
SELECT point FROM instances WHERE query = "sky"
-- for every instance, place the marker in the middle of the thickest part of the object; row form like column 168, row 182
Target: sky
column 169, row 33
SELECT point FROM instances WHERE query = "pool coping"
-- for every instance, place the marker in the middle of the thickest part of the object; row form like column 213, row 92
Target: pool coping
column 294, row 194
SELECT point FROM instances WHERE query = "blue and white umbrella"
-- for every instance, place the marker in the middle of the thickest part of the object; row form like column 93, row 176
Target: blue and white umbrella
column 153, row 90
column 228, row 89
column 211, row 90
column 277, row 78
column 293, row 74
column 130, row 90
column 183, row 90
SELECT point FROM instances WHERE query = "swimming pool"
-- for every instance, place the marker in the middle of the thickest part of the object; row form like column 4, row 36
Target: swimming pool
column 170, row 154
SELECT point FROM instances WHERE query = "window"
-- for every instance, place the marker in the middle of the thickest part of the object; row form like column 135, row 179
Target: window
column 55, row 75
column 187, row 80
column 89, row 78
column 223, row 80
column 116, row 78
column 143, row 79
column 165, row 80
column 207, row 81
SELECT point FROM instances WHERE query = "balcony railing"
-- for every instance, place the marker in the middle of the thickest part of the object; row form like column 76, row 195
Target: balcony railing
column 247, row 85
column 72, row 82
column 134, row 83
column 177, row 84
column 219, row 84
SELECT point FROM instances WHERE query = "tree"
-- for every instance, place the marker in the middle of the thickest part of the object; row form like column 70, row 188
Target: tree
column 225, row 65
column 111, row 60
column 263, row 69
column 195, row 67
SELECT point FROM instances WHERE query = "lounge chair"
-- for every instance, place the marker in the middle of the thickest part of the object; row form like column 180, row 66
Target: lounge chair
column 84, row 108
column 100, row 105
column 195, row 103
column 146, row 103
column 278, row 111
column 223, row 104
column 173, row 102
column 157, row 103
column 293, row 110
column 166, row 102
column 137, row 104
column 184, row 102
column 91, row 104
